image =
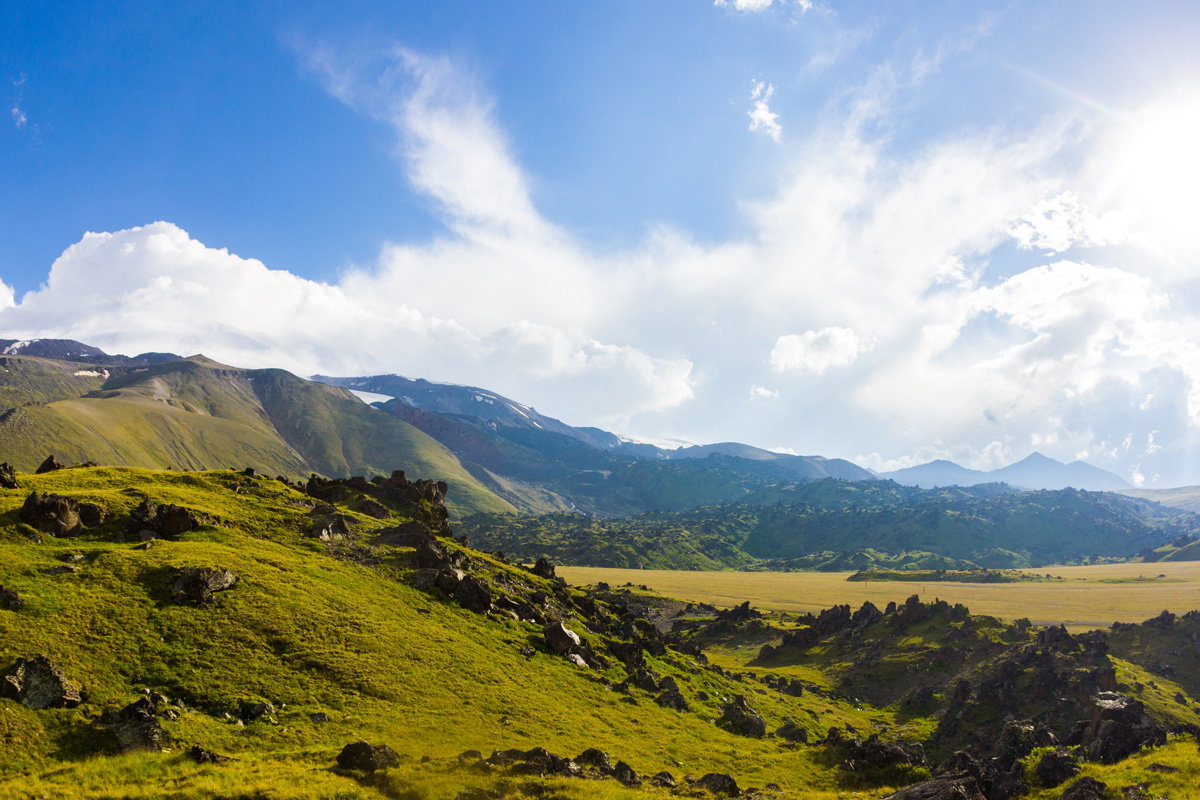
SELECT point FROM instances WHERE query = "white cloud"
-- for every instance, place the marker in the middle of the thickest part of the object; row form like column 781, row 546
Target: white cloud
column 761, row 116
column 7, row 296
column 18, row 117
column 816, row 351
column 746, row 6
column 1059, row 223
column 763, row 393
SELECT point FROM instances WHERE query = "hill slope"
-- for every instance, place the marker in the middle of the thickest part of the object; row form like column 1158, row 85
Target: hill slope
column 196, row 414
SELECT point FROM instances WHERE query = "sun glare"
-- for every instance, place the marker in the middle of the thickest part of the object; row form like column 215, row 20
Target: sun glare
column 1157, row 169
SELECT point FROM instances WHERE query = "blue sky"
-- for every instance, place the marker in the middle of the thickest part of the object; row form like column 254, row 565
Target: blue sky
column 887, row 232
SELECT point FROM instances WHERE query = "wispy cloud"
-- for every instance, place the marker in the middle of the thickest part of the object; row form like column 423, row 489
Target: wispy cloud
column 761, row 116
column 18, row 117
column 749, row 6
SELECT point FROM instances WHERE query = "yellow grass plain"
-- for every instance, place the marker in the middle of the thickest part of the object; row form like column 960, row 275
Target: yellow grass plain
column 1087, row 597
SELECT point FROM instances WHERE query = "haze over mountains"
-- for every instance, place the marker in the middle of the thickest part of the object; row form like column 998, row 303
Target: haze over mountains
column 1035, row 471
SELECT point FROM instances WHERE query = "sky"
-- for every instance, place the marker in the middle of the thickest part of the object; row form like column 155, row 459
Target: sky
column 888, row 232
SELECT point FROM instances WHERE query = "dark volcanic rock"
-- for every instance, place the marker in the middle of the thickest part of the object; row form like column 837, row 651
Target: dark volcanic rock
column 1085, row 789
column 738, row 717
column 626, row 775
column 1057, row 767
column 474, row 595
column 719, row 783
column 152, row 521
column 197, row 586
column 49, row 465
column 944, row 787
column 543, row 568
column 367, row 757
column 792, row 732
column 595, row 758
column 672, row 699
column 135, row 727
column 10, row 600
column 1017, row 740
column 37, row 683
column 1118, row 728
column 560, row 639
column 202, row 756
column 875, row 753
column 52, row 514
column 8, row 476
column 663, row 779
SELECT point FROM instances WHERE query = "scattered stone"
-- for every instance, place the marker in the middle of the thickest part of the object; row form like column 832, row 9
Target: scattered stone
column 331, row 528
column 595, row 758
column 9, row 599
column 197, row 586
column 672, row 699
column 367, row 757
column 38, row 684
column 52, row 514
column 560, row 639
column 8, row 476
column 739, row 718
column 255, row 710
column 1085, row 789
column 577, row 660
column 49, row 465
column 202, row 756
column 719, row 783
column 663, row 779
column 1161, row 768
column 319, row 717
column 61, row 569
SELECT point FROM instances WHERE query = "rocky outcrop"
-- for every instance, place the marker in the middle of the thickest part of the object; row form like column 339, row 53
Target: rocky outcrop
column 49, row 465
column 739, row 718
column 543, row 568
column 8, row 476
column 1085, row 789
column 943, row 787
column 197, row 586
column 152, row 521
column 52, row 513
column 367, row 757
column 718, row 783
column 422, row 500
column 1057, row 767
column 876, row 754
column 38, row 684
column 1118, row 728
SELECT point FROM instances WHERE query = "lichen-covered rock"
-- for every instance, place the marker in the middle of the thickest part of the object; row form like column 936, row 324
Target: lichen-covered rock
column 367, row 757
column 136, row 727
column 38, row 684
column 152, row 521
column 738, row 717
column 51, row 513
column 1057, row 767
column 560, row 639
column 197, row 586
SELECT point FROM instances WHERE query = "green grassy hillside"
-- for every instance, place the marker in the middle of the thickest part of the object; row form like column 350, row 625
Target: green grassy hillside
column 197, row 414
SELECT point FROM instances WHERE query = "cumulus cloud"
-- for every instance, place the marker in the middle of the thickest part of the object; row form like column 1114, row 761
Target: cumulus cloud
column 816, row 351
column 1059, row 223
column 18, row 117
column 862, row 299
column 761, row 116
column 7, row 297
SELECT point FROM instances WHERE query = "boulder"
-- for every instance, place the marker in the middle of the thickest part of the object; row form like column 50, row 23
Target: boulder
column 49, row 465
column 866, row 615
column 560, row 639
column 37, row 683
column 943, row 787
column 152, row 521
column 92, row 515
column 663, row 780
column 330, row 528
column 1057, row 767
column 719, row 783
column 739, row 718
column 792, row 732
column 197, row 586
column 1017, row 740
column 252, row 710
column 1085, row 789
column 52, row 514
column 596, row 759
column 135, row 727
column 367, row 757
column 626, row 775
column 875, row 753
column 577, row 660
column 672, row 699
column 8, row 476
column 1118, row 728
column 474, row 595
column 543, row 568
column 9, row 599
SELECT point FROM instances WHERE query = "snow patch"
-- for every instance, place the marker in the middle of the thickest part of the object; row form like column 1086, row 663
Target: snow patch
column 370, row 397
column 664, row 444
column 17, row 347
column 91, row 373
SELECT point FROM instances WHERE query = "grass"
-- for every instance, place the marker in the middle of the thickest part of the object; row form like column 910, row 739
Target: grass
column 1088, row 597
column 311, row 633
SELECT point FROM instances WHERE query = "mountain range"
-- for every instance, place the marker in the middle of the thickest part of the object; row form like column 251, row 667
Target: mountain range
column 1035, row 471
